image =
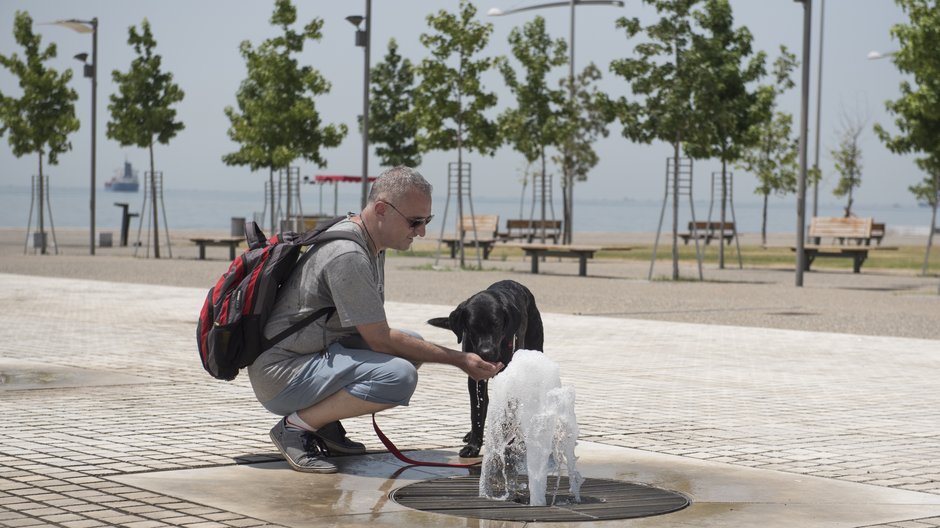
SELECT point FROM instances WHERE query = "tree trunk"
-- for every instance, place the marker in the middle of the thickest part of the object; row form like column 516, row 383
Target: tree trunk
column 763, row 221
column 933, row 228
column 153, row 201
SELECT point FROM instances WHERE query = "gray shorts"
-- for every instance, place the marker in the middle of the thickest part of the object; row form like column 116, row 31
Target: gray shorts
column 367, row 375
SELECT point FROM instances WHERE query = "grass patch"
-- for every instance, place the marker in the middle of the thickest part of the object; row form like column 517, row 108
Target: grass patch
column 905, row 258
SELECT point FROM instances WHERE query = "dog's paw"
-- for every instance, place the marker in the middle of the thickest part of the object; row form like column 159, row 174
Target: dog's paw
column 467, row 438
column 470, row 451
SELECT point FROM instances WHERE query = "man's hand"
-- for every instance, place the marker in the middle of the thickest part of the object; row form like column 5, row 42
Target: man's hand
column 478, row 369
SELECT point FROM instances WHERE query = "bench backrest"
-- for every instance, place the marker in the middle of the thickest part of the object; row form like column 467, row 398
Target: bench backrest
column 533, row 224
column 711, row 226
column 834, row 227
column 486, row 225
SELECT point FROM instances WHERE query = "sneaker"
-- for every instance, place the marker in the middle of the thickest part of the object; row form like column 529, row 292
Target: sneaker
column 332, row 437
column 300, row 450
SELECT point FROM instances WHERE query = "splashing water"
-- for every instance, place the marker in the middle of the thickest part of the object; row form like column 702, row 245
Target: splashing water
column 531, row 429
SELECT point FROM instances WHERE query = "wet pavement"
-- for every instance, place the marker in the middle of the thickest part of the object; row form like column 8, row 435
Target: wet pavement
column 108, row 419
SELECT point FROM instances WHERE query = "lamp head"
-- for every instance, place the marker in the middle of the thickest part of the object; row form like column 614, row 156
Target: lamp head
column 355, row 20
column 81, row 56
column 495, row 11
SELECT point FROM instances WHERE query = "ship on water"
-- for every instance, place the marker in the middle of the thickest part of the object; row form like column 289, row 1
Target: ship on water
column 124, row 181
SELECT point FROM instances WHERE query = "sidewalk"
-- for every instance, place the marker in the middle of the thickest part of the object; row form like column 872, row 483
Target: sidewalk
column 109, row 420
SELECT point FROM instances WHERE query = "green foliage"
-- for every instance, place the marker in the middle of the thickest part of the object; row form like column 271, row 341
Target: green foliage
column 580, row 123
column 726, row 66
column 773, row 160
column 450, row 100
column 659, row 78
column 928, row 190
column 772, row 156
column 277, row 120
column 141, row 110
column 917, row 110
column 389, row 102
column 39, row 121
column 530, row 125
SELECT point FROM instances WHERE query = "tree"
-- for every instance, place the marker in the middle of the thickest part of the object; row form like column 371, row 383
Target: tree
column 928, row 190
column 773, row 157
column 773, row 161
column 39, row 121
column 531, row 125
column 389, row 103
column 450, row 102
column 917, row 110
column 725, row 58
column 663, row 84
column 581, row 122
column 848, row 159
column 141, row 110
column 277, row 120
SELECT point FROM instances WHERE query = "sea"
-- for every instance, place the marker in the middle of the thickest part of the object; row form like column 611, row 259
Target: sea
column 215, row 210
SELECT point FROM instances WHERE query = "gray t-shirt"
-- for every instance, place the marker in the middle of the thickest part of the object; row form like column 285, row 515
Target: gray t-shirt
column 340, row 273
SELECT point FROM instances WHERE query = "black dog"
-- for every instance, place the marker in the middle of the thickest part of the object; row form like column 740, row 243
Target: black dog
column 493, row 323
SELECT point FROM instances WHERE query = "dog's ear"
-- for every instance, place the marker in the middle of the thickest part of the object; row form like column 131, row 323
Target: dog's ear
column 457, row 322
column 440, row 322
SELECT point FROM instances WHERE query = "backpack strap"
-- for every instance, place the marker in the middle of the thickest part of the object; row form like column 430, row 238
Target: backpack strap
column 319, row 238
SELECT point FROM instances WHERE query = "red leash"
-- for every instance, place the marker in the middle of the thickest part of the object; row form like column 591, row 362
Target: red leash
column 398, row 454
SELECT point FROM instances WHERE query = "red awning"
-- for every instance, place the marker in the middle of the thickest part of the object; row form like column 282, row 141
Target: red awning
column 323, row 178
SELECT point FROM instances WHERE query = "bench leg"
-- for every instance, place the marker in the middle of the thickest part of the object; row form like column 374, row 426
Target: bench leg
column 857, row 263
column 486, row 251
column 231, row 251
column 202, row 252
column 453, row 250
column 535, row 263
column 582, row 265
column 808, row 257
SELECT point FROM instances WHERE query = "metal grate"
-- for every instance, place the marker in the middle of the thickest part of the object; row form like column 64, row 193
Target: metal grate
column 601, row 499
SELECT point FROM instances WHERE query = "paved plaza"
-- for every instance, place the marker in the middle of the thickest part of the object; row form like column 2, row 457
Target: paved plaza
column 717, row 390
column 108, row 419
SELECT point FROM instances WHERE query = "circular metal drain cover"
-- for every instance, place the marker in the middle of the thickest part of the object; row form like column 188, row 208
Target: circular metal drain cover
column 601, row 500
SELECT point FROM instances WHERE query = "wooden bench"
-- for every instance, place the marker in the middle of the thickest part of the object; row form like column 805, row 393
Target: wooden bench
column 709, row 230
column 841, row 232
column 486, row 228
column 582, row 253
column 231, row 242
column 530, row 230
column 877, row 232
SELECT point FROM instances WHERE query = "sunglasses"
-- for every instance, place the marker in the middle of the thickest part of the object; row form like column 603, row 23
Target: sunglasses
column 413, row 223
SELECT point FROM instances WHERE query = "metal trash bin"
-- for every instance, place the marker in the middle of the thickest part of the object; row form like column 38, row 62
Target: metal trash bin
column 238, row 226
column 105, row 239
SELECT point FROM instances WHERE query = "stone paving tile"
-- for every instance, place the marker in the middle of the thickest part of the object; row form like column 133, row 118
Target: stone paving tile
column 852, row 408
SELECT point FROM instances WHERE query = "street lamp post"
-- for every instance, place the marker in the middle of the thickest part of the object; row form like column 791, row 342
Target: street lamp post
column 819, row 72
column 804, row 115
column 363, row 38
column 91, row 71
column 495, row 11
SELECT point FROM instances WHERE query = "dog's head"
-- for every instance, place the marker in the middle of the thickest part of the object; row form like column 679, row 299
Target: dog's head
column 483, row 326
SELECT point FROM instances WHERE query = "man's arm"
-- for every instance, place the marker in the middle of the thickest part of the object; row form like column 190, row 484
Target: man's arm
column 381, row 338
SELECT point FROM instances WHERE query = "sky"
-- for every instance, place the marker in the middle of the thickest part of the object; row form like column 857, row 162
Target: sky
column 199, row 43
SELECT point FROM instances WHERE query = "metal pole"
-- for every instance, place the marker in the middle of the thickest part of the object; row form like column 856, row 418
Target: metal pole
column 94, row 121
column 822, row 10
column 804, row 117
column 365, row 107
